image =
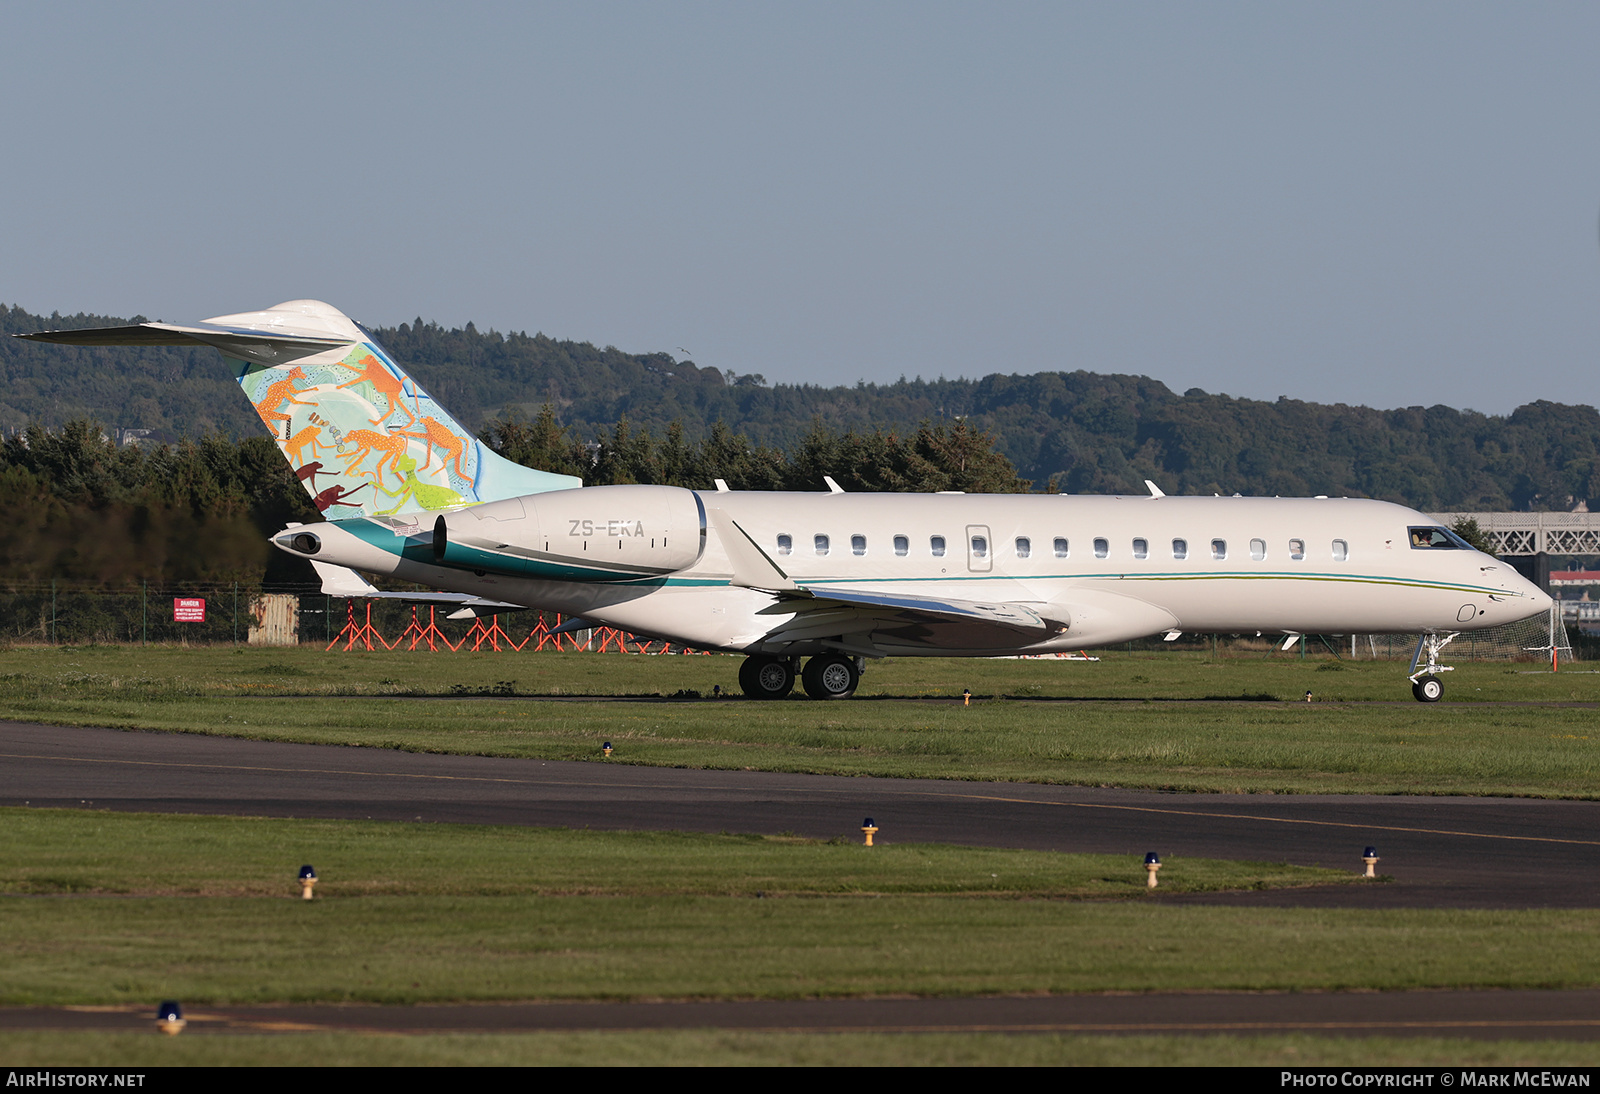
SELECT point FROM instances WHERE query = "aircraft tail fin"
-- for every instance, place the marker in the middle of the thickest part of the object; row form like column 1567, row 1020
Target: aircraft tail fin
column 362, row 436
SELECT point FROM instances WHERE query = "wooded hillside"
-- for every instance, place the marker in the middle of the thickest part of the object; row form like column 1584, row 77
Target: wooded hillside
column 1076, row 431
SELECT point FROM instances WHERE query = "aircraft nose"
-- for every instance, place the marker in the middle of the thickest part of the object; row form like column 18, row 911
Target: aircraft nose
column 1535, row 599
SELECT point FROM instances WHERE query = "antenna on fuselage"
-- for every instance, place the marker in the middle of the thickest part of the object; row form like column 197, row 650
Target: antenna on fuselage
column 1155, row 491
column 833, row 487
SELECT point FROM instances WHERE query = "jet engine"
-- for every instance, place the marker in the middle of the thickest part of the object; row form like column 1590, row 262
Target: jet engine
column 598, row 533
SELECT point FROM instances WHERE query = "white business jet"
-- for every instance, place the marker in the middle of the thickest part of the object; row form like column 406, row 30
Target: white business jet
column 832, row 578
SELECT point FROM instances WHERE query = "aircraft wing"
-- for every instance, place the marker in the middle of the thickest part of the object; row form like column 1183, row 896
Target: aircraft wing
column 875, row 623
column 868, row 620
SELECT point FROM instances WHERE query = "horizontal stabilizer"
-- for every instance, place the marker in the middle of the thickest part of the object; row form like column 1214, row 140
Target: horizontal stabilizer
column 275, row 336
column 165, row 334
column 341, row 581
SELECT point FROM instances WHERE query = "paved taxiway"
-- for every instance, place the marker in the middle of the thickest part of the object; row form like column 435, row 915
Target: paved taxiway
column 1461, row 852
column 1440, row 852
column 1480, row 1015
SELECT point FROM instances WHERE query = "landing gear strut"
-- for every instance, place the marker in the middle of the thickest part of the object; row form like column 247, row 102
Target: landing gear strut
column 766, row 677
column 1425, row 682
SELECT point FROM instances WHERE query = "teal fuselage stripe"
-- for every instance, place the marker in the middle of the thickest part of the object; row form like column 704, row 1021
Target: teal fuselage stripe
column 1281, row 575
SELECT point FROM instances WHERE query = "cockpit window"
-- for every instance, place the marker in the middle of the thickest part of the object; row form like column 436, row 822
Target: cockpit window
column 1436, row 539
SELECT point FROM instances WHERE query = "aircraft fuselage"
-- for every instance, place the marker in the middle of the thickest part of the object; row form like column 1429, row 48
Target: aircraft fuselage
column 1105, row 569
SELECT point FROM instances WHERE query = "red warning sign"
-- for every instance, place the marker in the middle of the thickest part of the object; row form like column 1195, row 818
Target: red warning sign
column 188, row 609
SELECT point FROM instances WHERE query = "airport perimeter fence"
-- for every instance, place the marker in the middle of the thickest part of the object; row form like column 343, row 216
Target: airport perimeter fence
column 252, row 614
column 242, row 613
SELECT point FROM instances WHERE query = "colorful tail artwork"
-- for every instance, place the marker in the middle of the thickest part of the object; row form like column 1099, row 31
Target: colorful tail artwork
column 362, row 436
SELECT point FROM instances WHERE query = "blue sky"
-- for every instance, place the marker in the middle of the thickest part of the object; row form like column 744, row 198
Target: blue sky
column 1364, row 203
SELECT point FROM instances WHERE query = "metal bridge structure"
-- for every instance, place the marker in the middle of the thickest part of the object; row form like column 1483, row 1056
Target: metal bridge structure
column 1528, row 534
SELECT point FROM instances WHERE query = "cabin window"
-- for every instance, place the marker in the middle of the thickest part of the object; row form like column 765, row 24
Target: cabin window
column 1180, row 548
column 822, row 544
column 1219, row 549
column 858, row 545
column 1102, row 548
column 1258, row 549
column 1024, row 547
column 936, row 546
column 1341, row 550
column 1061, row 547
column 1297, row 549
column 785, row 544
column 902, row 545
column 980, row 547
column 1141, row 548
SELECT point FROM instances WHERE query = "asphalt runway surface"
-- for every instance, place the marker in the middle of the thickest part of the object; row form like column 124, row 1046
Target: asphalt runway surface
column 1436, row 852
column 1479, row 1015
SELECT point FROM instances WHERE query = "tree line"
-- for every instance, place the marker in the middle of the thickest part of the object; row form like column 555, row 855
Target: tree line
column 1081, row 431
column 84, row 510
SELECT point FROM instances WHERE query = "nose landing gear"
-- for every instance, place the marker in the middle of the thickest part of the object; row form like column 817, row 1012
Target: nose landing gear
column 1425, row 683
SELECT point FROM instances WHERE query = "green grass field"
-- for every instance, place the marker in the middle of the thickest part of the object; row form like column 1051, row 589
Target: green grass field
column 108, row 908
column 1139, row 720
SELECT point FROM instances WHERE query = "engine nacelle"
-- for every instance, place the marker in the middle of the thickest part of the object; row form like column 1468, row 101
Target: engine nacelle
column 598, row 533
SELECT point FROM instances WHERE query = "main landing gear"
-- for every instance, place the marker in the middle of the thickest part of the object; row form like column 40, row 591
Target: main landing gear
column 826, row 676
column 1425, row 682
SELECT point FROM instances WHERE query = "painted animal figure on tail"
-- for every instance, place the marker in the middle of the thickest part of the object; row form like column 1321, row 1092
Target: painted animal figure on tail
column 384, row 382
column 392, row 445
column 430, row 497
column 330, row 497
column 278, row 393
column 295, row 447
column 308, row 474
column 439, row 434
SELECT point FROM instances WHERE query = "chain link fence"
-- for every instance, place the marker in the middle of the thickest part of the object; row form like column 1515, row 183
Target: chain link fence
column 241, row 613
